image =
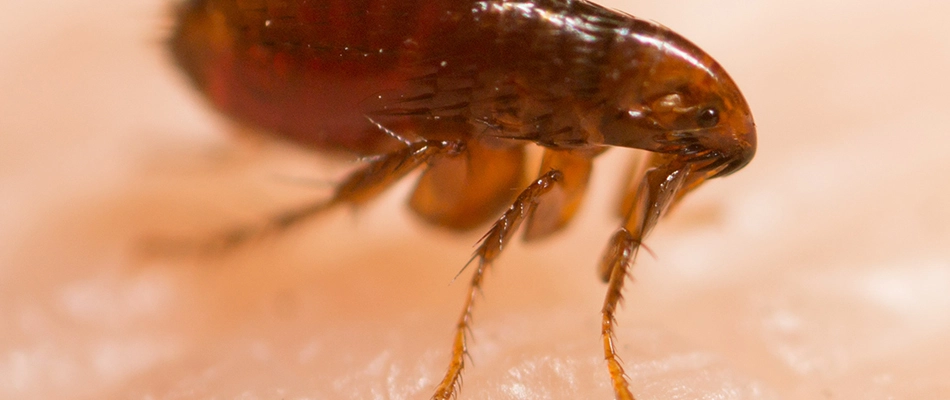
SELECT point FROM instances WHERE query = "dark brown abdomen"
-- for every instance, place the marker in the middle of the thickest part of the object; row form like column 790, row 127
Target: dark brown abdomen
column 313, row 71
column 302, row 69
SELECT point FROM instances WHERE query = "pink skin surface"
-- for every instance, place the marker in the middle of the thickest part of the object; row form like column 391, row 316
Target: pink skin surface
column 821, row 271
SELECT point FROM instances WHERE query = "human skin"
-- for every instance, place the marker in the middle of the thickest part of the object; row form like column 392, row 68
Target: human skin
column 819, row 271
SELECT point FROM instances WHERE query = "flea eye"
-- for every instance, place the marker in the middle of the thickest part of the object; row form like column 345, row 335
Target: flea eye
column 708, row 118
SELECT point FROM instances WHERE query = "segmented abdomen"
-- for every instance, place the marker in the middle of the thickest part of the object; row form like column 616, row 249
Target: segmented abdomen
column 313, row 71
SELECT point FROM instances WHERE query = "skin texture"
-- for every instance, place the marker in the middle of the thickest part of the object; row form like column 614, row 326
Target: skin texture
column 820, row 271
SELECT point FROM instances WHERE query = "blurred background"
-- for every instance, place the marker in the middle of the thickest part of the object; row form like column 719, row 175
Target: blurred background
column 822, row 270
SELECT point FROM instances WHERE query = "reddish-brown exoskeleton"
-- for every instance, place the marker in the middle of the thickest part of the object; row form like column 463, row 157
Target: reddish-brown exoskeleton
column 459, row 88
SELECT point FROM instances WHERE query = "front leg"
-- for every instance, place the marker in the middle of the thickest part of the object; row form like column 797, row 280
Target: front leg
column 663, row 183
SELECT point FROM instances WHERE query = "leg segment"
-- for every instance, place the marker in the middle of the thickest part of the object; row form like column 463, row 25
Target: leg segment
column 662, row 184
column 465, row 192
column 620, row 253
column 562, row 203
column 360, row 186
column 491, row 246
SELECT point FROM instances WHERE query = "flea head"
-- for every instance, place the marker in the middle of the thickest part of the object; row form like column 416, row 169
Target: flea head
column 671, row 97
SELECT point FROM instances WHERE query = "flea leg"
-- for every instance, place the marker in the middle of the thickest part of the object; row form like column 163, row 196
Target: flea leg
column 489, row 249
column 359, row 187
column 560, row 206
column 661, row 185
column 465, row 192
column 620, row 253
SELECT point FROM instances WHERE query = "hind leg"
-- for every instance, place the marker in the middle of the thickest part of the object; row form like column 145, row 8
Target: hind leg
column 359, row 187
